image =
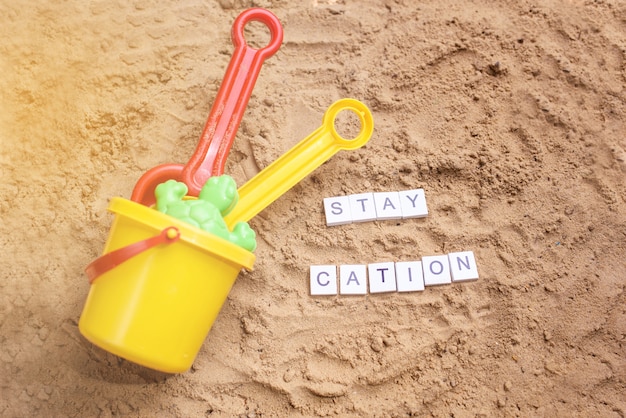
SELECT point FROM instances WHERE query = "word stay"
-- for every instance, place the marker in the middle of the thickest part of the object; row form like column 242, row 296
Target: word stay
column 402, row 276
column 363, row 207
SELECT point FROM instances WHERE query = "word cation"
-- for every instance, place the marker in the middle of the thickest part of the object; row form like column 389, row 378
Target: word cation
column 362, row 207
column 403, row 276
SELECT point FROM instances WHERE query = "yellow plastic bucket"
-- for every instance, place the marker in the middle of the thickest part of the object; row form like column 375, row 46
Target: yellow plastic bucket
column 156, row 308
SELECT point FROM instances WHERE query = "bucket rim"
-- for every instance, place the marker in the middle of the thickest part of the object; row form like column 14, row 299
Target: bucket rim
column 206, row 241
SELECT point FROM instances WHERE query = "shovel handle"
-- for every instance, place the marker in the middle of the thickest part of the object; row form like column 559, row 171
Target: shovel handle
column 231, row 101
column 301, row 160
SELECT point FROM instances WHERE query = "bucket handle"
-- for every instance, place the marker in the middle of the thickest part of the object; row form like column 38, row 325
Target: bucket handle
column 113, row 259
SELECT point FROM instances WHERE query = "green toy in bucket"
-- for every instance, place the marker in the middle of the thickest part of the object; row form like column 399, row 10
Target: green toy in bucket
column 155, row 303
column 216, row 199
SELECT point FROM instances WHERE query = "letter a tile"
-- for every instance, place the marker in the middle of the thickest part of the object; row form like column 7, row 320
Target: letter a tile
column 353, row 279
column 388, row 205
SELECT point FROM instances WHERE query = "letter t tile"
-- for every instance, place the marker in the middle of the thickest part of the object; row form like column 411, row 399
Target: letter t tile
column 382, row 277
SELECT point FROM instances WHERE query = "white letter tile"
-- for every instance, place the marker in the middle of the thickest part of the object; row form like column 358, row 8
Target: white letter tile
column 436, row 270
column 353, row 279
column 413, row 203
column 324, row 280
column 409, row 276
column 362, row 207
column 463, row 266
column 382, row 277
column 388, row 205
column 337, row 210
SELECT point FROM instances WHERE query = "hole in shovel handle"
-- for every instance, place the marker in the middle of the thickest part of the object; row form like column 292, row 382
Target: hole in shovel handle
column 265, row 17
column 113, row 259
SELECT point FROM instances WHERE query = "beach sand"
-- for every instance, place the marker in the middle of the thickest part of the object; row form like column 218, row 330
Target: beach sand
column 509, row 114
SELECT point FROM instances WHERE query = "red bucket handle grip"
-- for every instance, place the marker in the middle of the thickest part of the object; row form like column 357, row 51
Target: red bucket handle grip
column 113, row 259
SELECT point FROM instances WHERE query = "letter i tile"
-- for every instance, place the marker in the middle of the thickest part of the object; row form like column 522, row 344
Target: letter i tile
column 409, row 276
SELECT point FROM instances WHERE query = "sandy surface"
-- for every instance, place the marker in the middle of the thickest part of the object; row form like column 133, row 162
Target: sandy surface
column 510, row 114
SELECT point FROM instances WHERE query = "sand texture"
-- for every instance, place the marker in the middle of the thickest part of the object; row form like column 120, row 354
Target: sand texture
column 509, row 114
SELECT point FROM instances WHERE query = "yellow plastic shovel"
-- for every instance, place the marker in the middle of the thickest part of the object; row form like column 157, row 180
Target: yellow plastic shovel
column 301, row 160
